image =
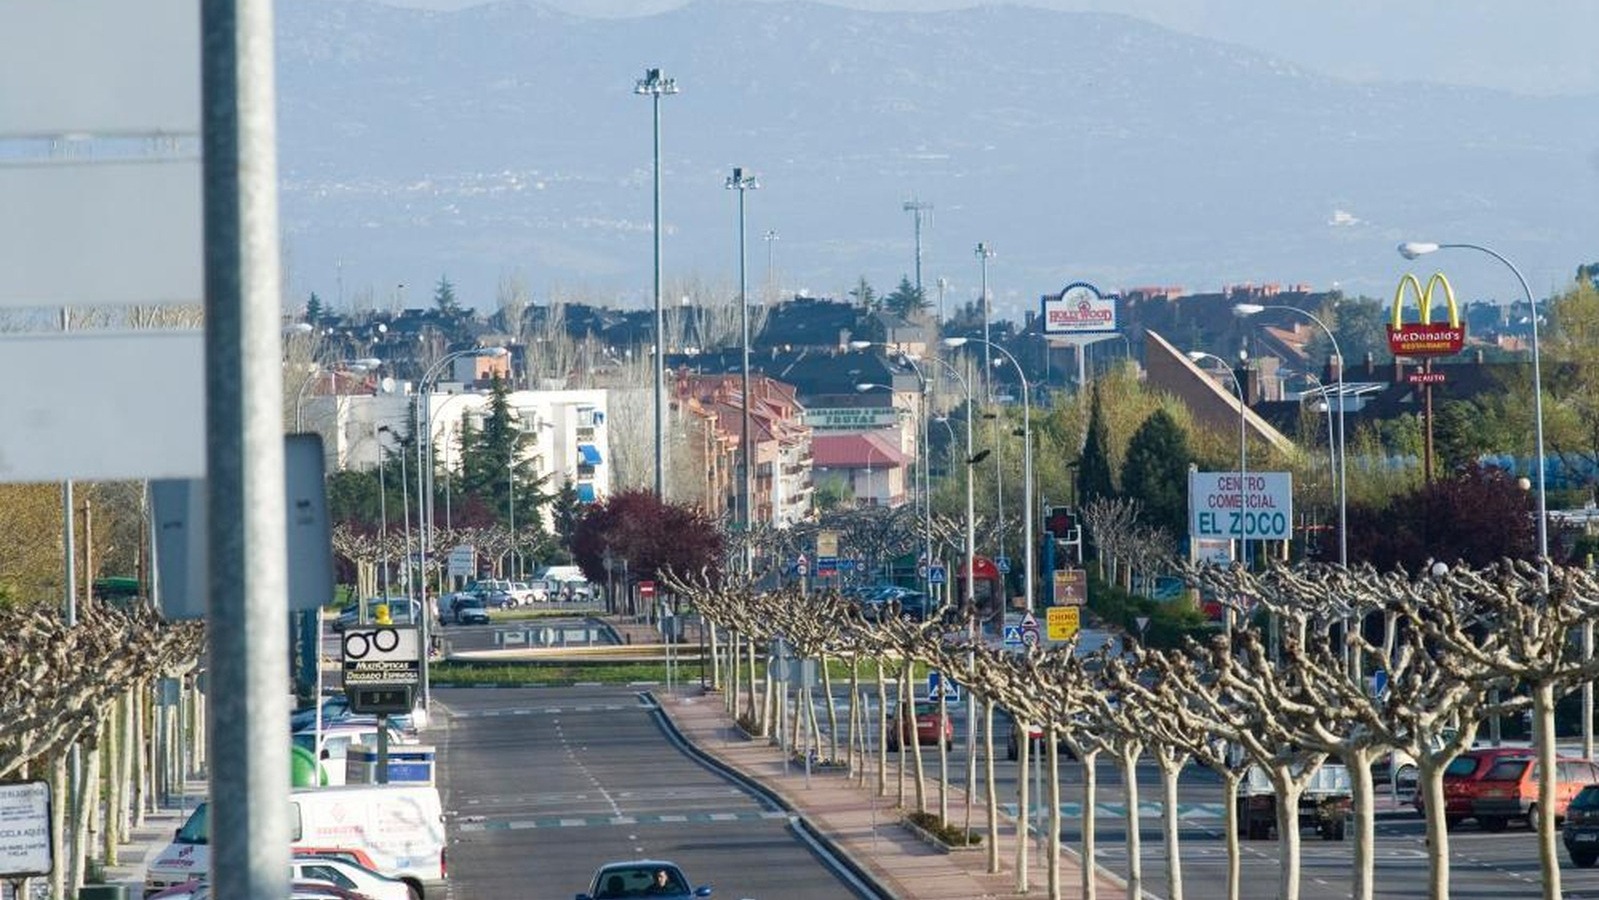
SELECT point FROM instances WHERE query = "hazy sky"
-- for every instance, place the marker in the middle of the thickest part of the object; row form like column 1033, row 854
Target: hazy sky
column 1531, row 46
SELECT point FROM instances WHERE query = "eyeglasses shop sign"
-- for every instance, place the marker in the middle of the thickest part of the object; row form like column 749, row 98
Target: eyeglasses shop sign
column 1263, row 511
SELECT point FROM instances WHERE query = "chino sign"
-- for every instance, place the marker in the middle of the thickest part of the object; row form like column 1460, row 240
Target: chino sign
column 1079, row 309
column 1425, row 338
column 1266, row 514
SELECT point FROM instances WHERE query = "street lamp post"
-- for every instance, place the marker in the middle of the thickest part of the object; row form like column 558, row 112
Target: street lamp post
column 1414, row 249
column 739, row 181
column 984, row 254
column 770, row 237
column 1243, row 453
column 424, row 451
column 653, row 85
column 1030, row 512
column 1249, row 309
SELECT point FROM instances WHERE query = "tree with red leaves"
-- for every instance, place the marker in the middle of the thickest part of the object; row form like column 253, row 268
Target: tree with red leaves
column 651, row 536
column 1477, row 514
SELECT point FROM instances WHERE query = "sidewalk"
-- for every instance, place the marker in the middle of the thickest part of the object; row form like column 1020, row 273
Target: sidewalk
column 149, row 839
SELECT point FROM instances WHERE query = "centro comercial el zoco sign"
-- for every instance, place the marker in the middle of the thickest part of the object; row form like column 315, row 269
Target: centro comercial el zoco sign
column 1258, row 506
column 1079, row 309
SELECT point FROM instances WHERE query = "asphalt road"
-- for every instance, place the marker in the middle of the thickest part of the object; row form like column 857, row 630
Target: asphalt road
column 1483, row 865
column 542, row 785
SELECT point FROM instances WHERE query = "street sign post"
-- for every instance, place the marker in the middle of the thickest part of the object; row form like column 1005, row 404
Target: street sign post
column 1013, row 635
column 937, row 574
column 1002, row 563
column 1029, row 629
column 1063, row 622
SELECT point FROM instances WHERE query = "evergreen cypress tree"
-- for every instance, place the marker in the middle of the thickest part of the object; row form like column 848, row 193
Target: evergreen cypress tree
column 1093, row 470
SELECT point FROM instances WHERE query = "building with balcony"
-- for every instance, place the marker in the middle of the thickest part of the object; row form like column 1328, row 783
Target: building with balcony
column 712, row 408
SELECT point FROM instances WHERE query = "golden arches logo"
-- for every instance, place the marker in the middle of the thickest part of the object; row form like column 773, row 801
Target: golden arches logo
column 1425, row 338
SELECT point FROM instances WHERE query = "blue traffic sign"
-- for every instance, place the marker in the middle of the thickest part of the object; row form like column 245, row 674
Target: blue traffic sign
column 936, row 683
column 1013, row 635
column 1002, row 563
column 936, row 575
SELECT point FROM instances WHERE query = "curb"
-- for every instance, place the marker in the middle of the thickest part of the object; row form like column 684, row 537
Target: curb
column 866, row 885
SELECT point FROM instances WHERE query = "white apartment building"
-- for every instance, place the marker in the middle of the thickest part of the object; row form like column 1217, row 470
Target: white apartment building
column 567, row 438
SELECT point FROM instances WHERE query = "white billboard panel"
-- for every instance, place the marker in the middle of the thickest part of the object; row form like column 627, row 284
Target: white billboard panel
column 100, row 67
column 102, row 405
column 1079, row 309
column 102, row 233
column 1260, row 506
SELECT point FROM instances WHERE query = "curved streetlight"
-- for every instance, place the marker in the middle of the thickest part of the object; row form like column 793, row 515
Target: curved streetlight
column 1243, row 452
column 1414, row 249
column 1244, row 310
column 353, row 366
column 743, row 183
column 1027, row 459
column 424, row 450
column 653, row 85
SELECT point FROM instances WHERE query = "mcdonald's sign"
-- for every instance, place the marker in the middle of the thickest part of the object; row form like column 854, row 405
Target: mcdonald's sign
column 1425, row 338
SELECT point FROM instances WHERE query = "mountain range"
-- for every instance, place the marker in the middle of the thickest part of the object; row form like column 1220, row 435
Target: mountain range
column 506, row 140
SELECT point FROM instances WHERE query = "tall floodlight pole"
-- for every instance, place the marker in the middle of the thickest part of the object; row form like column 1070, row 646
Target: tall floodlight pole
column 653, row 84
column 1030, row 511
column 383, row 510
column 1249, row 309
column 916, row 208
column 743, row 183
column 984, row 254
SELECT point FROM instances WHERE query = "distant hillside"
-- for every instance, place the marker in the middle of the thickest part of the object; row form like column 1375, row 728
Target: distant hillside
column 507, row 138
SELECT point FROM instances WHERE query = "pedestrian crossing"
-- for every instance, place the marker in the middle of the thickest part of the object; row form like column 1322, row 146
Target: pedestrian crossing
column 488, row 824
column 1186, row 812
column 540, row 711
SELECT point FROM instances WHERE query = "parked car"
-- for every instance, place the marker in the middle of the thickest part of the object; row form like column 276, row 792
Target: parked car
column 469, row 610
column 1580, row 833
column 349, row 876
column 641, row 878
column 1462, row 779
column 1034, row 733
column 526, row 593
column 334, row 707
column 926, row 728
column 1509, row 790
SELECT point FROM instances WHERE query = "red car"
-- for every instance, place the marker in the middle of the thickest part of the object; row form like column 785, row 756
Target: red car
column 1463, row 780
column 927, row 729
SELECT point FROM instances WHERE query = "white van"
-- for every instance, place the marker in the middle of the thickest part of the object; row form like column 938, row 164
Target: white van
column 399, row 827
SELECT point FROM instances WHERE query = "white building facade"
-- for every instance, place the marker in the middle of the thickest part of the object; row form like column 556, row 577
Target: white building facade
column 566, row 437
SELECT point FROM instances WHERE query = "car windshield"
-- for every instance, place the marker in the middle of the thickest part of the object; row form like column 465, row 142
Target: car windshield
column 639, row 882
column 1587, row 798
column 197, row 830
column 1462, row 767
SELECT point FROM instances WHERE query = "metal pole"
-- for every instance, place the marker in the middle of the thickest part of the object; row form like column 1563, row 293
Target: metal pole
column 383, row 518
column 743, row 183
column 654, row 85
column 1027, row 474
column 244, row 454
column 984, row 253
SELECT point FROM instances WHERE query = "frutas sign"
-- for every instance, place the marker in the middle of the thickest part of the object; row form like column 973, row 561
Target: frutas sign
column 1425, row 338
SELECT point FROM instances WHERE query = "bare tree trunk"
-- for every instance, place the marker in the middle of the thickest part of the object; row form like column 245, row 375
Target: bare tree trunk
column 1229, row 800
column 1171, row 765
column 882, row 731
column 85, row 803
column 1430, row 782
column 141, row 753
column 832, row 713
column 1090, row 761
column 1543, row 713
column 60, row 779
column 943, row 759
column 1287, row 790
column 1363, row 794
column 716, row 657
column 855, row 731
column 1052, row 735
column 757, row 711
column 992, row 797
column 1128, row 760
column 731, row 697
column 1023, row 803
column 907, row 699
